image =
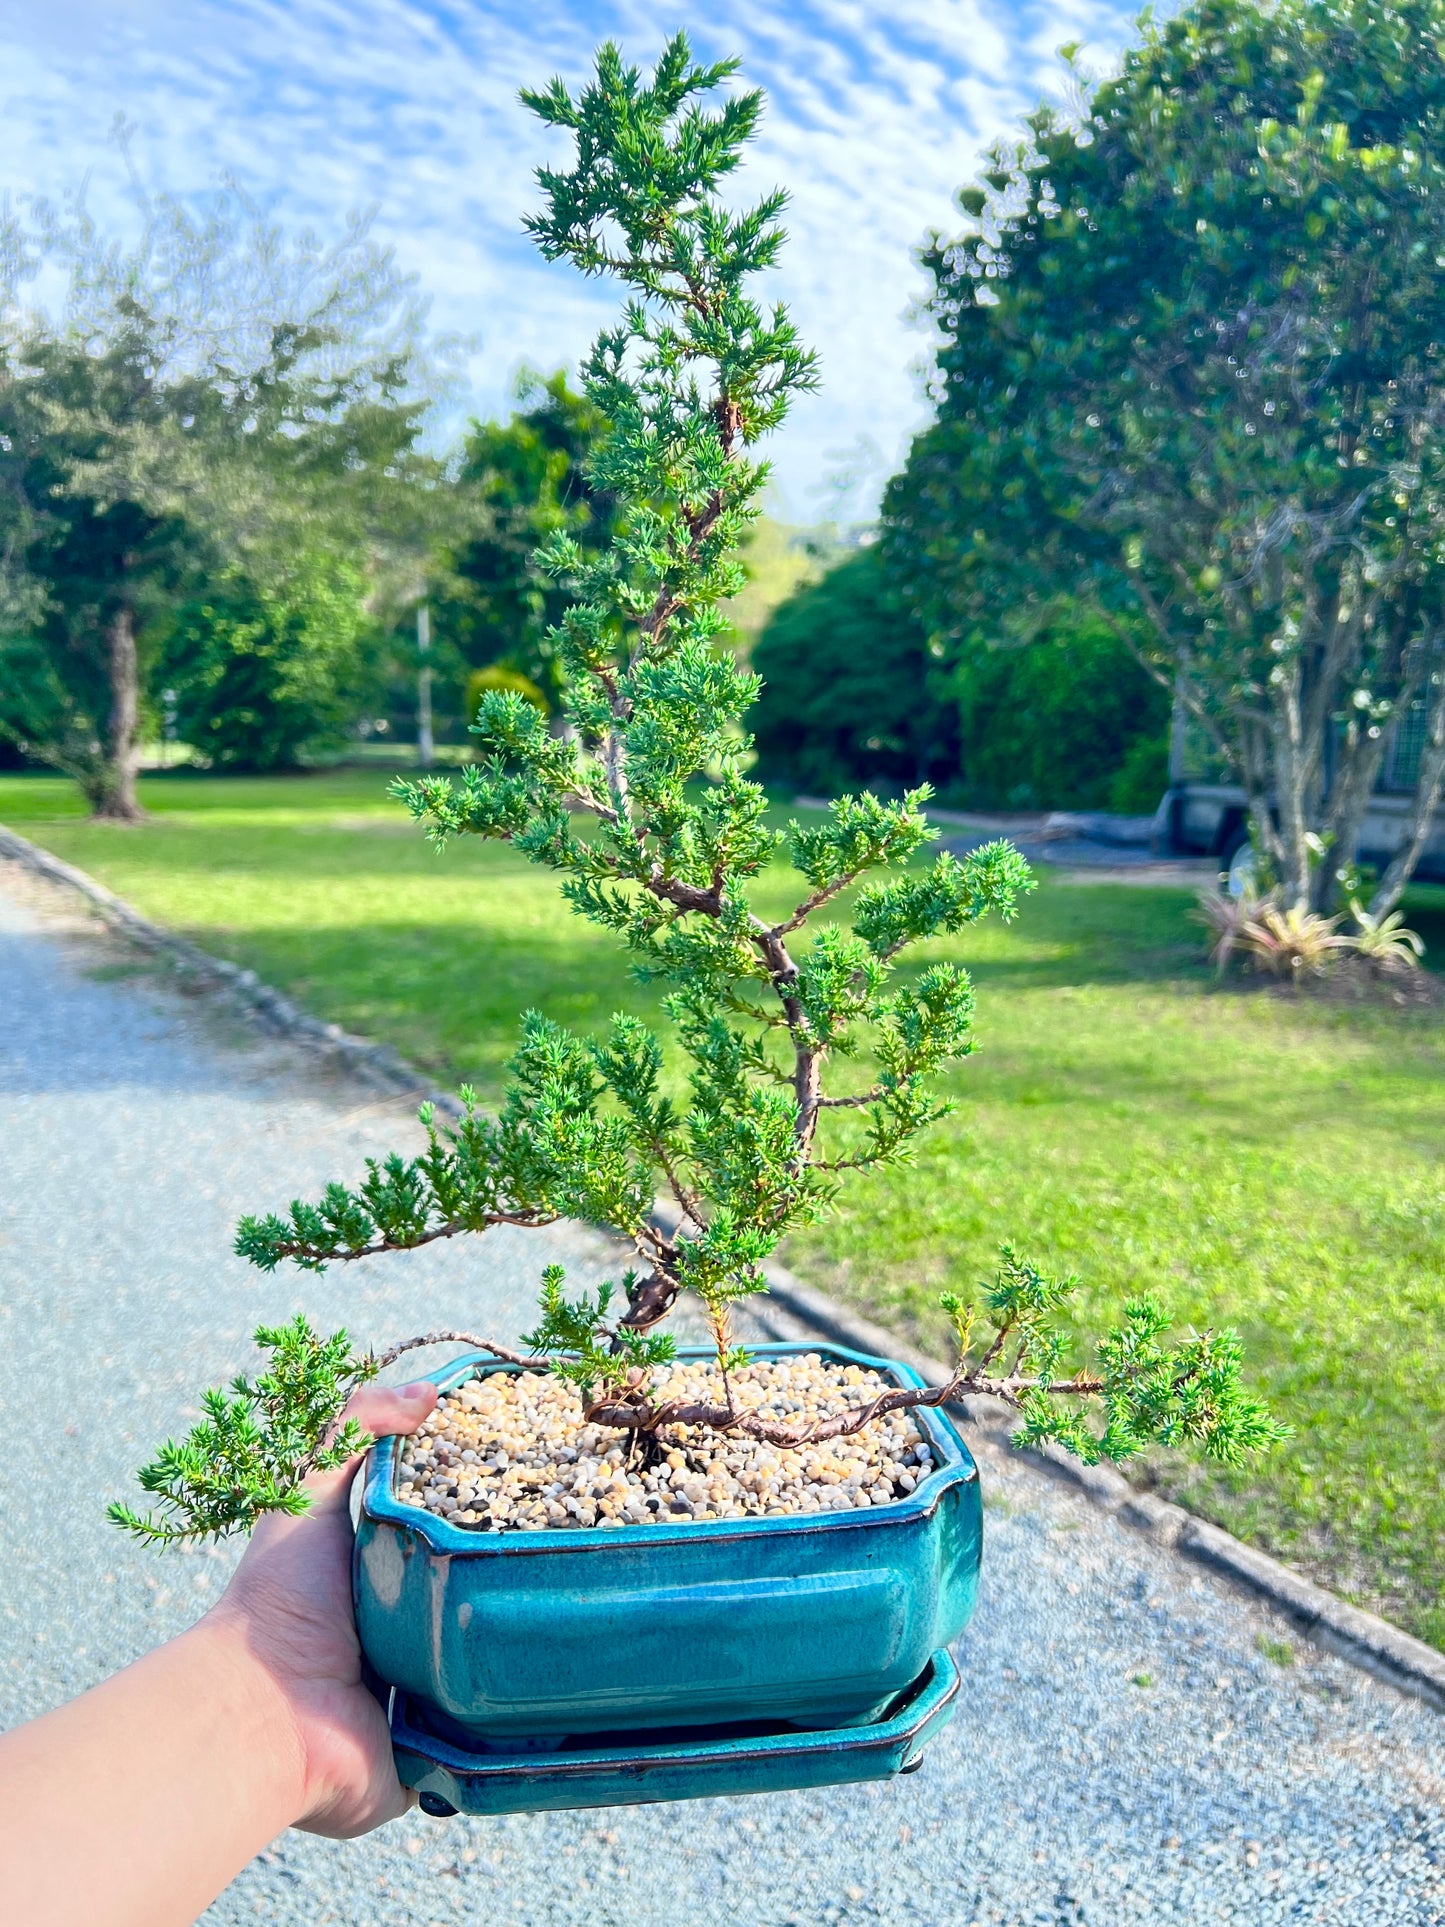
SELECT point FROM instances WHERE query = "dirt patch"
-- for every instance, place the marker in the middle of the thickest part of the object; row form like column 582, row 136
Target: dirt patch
column 1355, row 980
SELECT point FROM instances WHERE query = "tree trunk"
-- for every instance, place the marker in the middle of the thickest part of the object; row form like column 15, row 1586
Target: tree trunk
column 118, row 803
column 425, row 747
column 1354, row 785
column 1291, row 781
column 1429, row 785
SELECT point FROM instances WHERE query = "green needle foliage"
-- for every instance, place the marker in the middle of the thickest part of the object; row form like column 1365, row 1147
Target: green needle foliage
column 642, row 807
column 250, row 1453
column 1186, row 1394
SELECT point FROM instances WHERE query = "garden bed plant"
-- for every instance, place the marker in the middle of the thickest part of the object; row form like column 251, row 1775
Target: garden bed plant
column 810, row 1045
column 1292, row 944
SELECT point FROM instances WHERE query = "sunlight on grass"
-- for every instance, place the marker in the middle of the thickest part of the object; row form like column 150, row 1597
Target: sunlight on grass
column 1252, row 1159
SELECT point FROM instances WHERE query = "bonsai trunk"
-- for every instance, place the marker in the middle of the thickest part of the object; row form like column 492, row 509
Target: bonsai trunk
column 115, row 797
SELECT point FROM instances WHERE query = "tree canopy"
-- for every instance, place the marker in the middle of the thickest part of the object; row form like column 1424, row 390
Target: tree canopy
column 1190, row 368
column 203, row 403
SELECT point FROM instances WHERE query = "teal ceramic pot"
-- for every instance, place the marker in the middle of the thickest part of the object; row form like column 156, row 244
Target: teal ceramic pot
column 806, row 1621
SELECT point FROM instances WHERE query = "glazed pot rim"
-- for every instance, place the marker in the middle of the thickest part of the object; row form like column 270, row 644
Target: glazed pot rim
column 380, row 1504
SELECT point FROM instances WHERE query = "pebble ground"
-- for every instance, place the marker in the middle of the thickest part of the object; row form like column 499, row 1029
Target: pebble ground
column 1131, row 1746
column 511, row 1453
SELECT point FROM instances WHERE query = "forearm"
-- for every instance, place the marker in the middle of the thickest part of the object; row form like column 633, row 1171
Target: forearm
column 137, row 1803
column 134, row 1805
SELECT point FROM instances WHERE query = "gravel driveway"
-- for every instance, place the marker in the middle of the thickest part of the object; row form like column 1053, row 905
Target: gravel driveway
column 1132, row 1748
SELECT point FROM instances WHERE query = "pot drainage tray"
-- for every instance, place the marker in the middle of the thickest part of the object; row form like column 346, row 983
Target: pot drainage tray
column 634, row 1768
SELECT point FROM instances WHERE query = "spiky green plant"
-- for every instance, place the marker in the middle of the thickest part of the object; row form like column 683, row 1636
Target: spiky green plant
column 1384, row 942
column 642, row 806
column 1226, row 917
column 1294, row 944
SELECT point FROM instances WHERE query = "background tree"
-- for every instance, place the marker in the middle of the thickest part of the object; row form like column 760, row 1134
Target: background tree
column 849, row 691
column 521, row 482
column 325, row 535
column 100, row 565
column 854, row 691
column 1190, row 368
column 164, row 427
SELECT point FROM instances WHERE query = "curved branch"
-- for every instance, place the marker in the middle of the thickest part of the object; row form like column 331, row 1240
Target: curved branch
column 628, row 1415
column 814, row 902
column 687, row 1199
column 507, row 1356
column 300, row 1248
column 583, row 799
column 875, row 1096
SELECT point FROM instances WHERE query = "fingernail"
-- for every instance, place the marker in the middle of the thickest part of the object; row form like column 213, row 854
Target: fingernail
column 417, row 1385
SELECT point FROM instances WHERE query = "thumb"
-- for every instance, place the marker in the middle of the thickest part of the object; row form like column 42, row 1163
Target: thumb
column 385, row 1409
column 380, row 1410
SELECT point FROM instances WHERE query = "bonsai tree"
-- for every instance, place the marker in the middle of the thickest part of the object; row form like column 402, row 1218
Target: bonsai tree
column 642, row 807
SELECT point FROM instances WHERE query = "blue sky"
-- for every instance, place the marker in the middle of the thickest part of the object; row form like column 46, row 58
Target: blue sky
column 877, row 112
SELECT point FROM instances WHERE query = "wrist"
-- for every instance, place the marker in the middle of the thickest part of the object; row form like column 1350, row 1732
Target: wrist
column 263, row 1730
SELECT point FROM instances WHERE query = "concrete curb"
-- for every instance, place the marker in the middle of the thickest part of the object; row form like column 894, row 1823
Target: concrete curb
column 1360, row 1637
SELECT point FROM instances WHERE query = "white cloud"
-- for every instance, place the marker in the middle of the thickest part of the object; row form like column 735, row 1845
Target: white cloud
column 877, row 112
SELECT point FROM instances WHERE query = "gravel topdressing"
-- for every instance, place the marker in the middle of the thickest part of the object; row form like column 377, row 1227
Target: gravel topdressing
column 510, row 1452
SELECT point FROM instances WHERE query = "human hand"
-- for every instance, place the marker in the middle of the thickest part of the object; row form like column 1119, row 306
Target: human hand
column 290, row 1602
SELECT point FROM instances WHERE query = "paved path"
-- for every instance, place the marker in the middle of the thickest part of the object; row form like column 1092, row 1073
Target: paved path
column 1127, row 1753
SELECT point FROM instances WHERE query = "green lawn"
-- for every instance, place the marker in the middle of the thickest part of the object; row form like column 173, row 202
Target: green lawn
column 1273, row 1163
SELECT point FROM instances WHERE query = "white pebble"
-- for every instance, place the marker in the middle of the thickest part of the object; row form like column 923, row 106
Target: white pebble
column 510, row 1453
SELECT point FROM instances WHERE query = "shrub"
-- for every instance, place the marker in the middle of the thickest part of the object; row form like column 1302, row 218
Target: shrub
column 501, row 676
column 849, row 693
column 1384, row 942
column 854, row 692
column 1226, row 917
column 1067, row 721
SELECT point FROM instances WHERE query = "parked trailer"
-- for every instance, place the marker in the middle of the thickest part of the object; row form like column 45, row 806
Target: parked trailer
column 1212, row 819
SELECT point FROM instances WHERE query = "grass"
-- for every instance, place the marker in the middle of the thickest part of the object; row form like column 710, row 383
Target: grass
column 1278, row 1651
column 1253, row 1159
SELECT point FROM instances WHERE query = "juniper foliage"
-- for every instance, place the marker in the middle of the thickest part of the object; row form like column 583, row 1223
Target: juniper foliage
column 643, row 808
column 257, row 1442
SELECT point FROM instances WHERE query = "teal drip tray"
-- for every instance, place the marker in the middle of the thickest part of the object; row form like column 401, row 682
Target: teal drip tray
column 630, row 1769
